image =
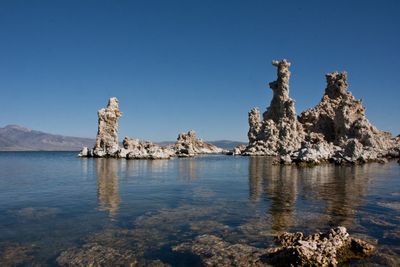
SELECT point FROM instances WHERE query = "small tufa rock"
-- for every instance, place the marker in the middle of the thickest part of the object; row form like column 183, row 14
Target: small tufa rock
column 84, row 152
column 321, row 249
column 136, row 149
column 188, row 145
column 238, row 150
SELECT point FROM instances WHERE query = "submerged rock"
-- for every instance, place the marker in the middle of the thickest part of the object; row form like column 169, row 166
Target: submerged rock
column 216, row 252
column 96, row 255
column 336, row 130
column 321, row 249
column 16, row 254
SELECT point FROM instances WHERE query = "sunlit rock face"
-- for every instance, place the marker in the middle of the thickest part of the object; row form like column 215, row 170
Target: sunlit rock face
column 336, row 130
column 296, row 249
column 279, row 131
column 107, row 133
column 139, row 149
column 320, row 249
column 188, row 145
column 340, row 119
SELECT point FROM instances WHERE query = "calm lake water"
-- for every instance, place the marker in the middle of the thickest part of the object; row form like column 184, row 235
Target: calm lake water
column 53, row 201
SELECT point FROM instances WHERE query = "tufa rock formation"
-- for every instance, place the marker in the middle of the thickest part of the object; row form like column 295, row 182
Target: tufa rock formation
column 107, row 133
column 279, row 132
column 321, row 249
column 188, row 145
column 107, row 145
column 339, row 119
column 138, row 149
column 336, row 130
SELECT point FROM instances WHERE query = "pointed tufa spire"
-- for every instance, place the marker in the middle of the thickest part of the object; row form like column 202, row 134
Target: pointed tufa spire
column 107, row 133
column 281, row 105
column 279, row 130
column 336, row 130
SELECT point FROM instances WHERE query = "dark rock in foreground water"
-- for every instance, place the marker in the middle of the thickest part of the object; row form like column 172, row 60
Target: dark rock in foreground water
column 321, row 249
column 96, row 255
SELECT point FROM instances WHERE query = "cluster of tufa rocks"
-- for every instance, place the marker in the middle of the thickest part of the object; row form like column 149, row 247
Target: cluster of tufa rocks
column 107, row 145
column 336, row 130
column 321, row 249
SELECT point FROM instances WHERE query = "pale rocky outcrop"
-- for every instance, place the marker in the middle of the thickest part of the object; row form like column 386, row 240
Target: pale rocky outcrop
column 296, row 249
column 138, row 149
column 340, row 119
column 107, row 145
column 336, row 130
column 278, row 132
column 107, row 133
column 188, row 145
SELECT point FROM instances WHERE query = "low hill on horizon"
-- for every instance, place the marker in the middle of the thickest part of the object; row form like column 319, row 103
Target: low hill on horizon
column 225, row 144
column 18, row 138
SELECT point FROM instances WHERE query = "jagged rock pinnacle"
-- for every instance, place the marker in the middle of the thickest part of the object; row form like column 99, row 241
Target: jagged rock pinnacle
column 107, row 133
column 335, row 130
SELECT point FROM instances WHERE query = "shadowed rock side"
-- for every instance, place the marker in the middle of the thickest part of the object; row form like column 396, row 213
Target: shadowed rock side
column 336, row 130
column 187, row 144
column 320, row 249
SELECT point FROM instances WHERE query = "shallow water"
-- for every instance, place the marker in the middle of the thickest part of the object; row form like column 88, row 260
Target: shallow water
column 53, row 201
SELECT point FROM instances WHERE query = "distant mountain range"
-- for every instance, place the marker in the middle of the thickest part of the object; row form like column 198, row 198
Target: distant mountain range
column 225, row 144
column 18, row 138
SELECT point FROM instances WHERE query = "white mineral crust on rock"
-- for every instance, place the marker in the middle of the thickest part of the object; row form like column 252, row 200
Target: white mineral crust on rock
column 137, row 149
column 107, row 145
column 188, row 145
column 336, row 130
column 279, row 132
column 107, row 133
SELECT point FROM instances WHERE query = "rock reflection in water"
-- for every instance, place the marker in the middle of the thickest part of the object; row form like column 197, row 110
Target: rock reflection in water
column 279, row 184
column 148, row 168
column 187, row 169
column 107, row 185
column 339, row 188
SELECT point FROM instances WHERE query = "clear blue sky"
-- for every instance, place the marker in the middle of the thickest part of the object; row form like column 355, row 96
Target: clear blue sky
column 180, row 65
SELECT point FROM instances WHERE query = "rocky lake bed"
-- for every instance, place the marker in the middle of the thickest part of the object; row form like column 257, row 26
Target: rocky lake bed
column 210, row 210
